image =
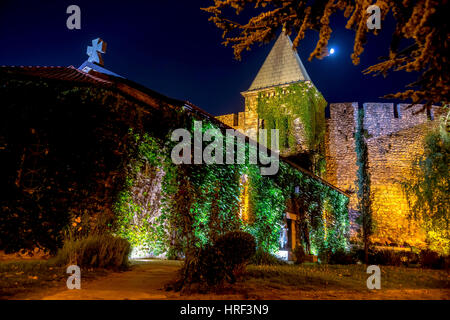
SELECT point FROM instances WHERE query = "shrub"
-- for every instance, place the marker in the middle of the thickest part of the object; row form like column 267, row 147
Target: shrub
column 262, row 257
column 236, row 247
column 388, row 257
column 431, row 259
column 299, row 255
column 341, row 257
column 96, row 251
column 210, row 266
column 174, row 254
column 410, row 257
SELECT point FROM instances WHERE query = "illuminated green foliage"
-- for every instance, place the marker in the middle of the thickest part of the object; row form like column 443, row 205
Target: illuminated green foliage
column 363, row 184
column 323, row 223
column 300, row 102
column 428, row 188
column 138, row 212
column 104, row 169
column 200, row 203
column 268, row 206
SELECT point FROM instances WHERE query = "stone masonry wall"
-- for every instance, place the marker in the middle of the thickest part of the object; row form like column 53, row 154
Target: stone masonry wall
column 340, row 153
column 248, row 122
column 394, row 139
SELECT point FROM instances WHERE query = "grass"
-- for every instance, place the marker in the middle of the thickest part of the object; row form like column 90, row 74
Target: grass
column 346, row 277
column 93, row 254
column 305, row 281
column 95, row 251
column 22, row 276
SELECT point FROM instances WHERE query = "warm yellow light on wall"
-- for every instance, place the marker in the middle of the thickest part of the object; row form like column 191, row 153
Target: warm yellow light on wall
column 244, row 199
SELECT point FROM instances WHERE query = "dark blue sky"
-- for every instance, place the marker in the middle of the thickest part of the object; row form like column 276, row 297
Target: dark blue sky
column 171, row 47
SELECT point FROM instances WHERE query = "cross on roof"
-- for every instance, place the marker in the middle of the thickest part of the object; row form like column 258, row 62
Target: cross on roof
column 94, row 51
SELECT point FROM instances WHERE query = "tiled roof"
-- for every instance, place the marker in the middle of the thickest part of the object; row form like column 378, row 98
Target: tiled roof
column 74, row 75
column 56, row 73
column 282, row 66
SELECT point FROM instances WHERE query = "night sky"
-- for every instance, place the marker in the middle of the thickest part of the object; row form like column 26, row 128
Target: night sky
column 171, row 47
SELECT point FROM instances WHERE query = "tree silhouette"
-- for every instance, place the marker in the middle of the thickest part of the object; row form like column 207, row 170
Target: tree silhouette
column 422, row 22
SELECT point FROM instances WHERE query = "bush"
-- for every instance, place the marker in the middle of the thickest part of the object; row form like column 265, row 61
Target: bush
column 236, row 247
column 174, row 254
column 262, row 257
column 431, row 259
column 341, row 257
column 211, row 266
column 299, row 255
column 388, row 257
column 96, row 251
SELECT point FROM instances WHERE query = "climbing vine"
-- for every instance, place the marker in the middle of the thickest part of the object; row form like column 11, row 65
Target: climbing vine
column 199, row 203
column 298, row 111
column 268, row 203
column 363, row 183
column 323, row 222
column 118, row 165
column 138, row 205
column 427, row 189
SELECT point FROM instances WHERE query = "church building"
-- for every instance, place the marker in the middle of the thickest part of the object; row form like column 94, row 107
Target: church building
column 68, row 143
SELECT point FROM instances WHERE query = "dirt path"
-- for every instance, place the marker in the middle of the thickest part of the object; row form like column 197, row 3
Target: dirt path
column 145, row 281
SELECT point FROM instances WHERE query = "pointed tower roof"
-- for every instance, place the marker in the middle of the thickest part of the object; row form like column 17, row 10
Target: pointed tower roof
column 282, row 66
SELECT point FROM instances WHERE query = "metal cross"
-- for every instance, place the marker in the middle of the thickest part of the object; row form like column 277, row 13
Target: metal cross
column 94, row 51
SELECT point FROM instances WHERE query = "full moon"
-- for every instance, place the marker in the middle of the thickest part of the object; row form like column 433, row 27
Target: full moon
column 331, row 50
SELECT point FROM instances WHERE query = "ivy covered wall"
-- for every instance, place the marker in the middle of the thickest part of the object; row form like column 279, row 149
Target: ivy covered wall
column 201, row 202
column 298, row 112
column 99, row 153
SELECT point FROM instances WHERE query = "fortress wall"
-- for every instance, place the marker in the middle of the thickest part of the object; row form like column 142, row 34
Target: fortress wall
column 390, row 159
column 340, row 153
column 340, row 145
column 228, row 119
column 394, row 139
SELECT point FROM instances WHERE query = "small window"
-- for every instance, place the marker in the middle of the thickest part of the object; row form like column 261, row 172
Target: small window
column 396, row 111
column 430, row 115
column 236, row 119
column 286, row 127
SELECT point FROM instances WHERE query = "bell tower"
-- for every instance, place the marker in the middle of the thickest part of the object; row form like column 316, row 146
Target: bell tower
column 281, row 68
column 281, row 73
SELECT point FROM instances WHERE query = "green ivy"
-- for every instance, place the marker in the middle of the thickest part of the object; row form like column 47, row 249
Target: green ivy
column 300, row 100
column 199, row 203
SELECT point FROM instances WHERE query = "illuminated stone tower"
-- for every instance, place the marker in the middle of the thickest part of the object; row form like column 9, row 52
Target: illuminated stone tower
column 281, row 69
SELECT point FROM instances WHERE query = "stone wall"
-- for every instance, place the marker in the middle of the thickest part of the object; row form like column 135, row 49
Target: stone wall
column 248, row 122
column 340, row 154
column 395, row 135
